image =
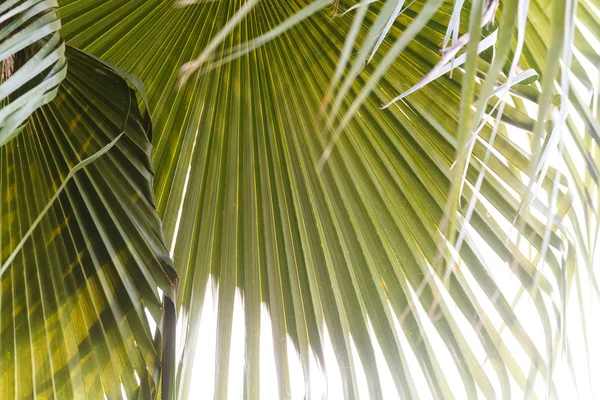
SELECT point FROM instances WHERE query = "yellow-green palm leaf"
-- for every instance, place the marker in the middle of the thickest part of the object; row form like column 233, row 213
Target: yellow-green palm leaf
column 278, row 175
column 83, row 254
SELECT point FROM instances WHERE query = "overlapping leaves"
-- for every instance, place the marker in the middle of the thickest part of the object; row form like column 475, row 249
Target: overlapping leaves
column 82, row 251
column 33, row 60
column 343, row 250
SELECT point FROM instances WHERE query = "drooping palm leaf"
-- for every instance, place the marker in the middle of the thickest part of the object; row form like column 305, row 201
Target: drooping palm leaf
column 241, row 200
column 33, row 60
column 83, row 253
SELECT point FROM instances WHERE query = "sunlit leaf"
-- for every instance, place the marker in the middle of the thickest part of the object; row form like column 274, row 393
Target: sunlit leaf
column 343, row 248
column 82, row 251
column 32, row 61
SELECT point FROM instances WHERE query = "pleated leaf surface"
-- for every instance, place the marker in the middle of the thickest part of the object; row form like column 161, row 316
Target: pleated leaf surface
column 82, row 250
column 338, row 253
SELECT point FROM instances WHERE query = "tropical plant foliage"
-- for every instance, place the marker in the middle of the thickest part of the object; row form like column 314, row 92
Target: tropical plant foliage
column 30, row 45
column 82, row 248
column 280, row 176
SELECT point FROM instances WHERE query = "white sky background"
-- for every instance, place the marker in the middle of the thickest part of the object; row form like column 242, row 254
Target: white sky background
column 202, row 385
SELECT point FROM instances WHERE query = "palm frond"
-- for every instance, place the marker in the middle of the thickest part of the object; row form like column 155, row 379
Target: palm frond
column 33, row 61
column 83, row 254
column 355, row 248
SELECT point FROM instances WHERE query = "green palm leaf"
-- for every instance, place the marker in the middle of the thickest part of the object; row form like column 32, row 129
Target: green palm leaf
column 83, row 253
column 342, row 250
column 33, row 60
column 278, row 175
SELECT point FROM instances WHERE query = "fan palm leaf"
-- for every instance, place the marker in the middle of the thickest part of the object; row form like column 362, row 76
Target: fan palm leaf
column 82, row 247
column 30, row 48
column 280, row 178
